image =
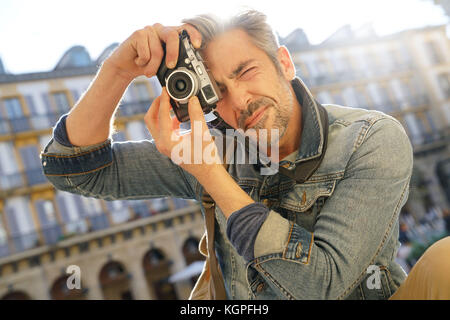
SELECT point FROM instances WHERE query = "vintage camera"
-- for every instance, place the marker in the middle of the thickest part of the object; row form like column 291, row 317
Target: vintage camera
column 190, row 77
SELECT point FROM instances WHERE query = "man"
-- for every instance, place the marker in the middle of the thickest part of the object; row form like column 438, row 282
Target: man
column 332, row 236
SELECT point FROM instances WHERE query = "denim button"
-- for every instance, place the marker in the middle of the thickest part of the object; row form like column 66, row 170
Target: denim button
column 304, row 198
column 298, row 252
column 260, row 287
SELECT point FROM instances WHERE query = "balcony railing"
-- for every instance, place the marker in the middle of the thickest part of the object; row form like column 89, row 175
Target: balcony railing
column 133, row 108
column 27, row 178
column 46, row 121
column 11, row 181
column 353, row 75
column 33, row 122
column 54, row 233
column 35, row 176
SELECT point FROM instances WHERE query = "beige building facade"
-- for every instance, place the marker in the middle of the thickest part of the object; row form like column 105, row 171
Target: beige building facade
column 122, row 249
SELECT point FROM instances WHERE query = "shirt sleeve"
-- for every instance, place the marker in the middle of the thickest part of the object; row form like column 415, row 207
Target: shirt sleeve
column 243, row 227
column 60, row 132
column 114, row 170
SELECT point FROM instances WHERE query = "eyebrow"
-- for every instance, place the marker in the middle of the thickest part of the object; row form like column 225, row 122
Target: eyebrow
column 239, row 68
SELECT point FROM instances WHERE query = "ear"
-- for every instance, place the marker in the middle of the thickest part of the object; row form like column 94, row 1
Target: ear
column 286, row 63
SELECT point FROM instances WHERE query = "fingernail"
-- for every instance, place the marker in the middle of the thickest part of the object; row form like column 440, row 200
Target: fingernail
column 197, row 43
column 171, row 64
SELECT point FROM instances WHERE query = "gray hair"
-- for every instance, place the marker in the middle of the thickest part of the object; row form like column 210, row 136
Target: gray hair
column 251, row 21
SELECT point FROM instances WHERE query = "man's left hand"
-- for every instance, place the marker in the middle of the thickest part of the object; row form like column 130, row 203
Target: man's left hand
column 196, row 151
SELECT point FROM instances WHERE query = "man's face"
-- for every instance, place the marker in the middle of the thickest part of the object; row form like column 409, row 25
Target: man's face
column 254, row 94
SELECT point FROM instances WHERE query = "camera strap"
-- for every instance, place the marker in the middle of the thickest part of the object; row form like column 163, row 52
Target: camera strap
column 216, row 283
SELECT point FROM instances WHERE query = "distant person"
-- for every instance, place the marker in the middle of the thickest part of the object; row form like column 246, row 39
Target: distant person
column 446, row 217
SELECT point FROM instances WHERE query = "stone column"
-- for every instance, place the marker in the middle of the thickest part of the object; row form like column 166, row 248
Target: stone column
column 138, row 282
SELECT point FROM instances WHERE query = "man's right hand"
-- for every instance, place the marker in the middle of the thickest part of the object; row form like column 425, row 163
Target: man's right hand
column 142, row 53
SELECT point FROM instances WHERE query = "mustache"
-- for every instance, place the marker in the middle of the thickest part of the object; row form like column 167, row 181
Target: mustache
column 252, row 107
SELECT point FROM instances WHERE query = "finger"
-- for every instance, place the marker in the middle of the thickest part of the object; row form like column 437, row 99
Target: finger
column 156, row 53
column 175, row 123
column 142, row 50
column 151, row 118
column 194, row 34
column 164, row 118
column 196, row 112
column 170, row 36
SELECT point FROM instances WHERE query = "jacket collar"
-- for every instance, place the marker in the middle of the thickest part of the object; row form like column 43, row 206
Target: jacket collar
column 314, row 136
column 313, row 130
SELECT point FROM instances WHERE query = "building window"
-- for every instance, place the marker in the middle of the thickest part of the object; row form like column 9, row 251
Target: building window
column 141, row 91
column 324, row 97
column 4, row 124
column 136, row 100
column 337, row 98
column 32, row 165
column 415, row 128
column 72, row 212
column 433, row 52
column 401, row 92
column 50, row 228
column 10, row 177
column 377, row 95
column 23, row 232
column 93, row 210
column 350, row 97
column 120, row 212
column 340, row 63
column 137, row 131
column 3, row 238
column 119, row 136
column 14, row 112
column 444, row 84
column 41, row 116
column 61, row 102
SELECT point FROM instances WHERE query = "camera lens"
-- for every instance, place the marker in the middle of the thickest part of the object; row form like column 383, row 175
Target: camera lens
column 182, row 84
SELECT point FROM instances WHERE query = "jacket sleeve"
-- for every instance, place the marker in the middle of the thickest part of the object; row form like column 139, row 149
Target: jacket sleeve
column 119, row 170
column 352, row 228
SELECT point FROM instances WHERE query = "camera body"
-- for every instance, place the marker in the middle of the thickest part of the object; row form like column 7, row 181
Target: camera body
column 188, row 78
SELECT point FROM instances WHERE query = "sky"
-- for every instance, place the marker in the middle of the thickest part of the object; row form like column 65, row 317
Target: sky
column 35, row 34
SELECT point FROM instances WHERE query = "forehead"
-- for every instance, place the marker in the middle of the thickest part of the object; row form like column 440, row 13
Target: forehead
column 228, row 50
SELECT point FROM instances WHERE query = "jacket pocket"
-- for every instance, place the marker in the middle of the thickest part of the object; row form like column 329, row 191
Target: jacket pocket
column 303, row 196
column 377, row 285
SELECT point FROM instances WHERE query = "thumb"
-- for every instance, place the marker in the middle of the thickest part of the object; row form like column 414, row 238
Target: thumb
column 195, row 110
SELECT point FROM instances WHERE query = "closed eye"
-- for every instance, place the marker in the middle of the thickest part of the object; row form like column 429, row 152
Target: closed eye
column 247, row 73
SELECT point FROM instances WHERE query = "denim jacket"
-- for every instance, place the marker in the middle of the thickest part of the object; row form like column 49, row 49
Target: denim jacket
column 335, row 236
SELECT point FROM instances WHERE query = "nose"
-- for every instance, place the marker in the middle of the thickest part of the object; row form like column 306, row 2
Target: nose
column 240, row 97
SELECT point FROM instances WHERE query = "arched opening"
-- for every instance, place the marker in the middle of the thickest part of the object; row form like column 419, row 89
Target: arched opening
column 191, row 254
column 60, row 290
column 16, row 295
column 157, row 271
column 115, row 282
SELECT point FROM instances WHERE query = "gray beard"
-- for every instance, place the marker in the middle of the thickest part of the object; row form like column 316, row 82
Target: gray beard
column 282, row 114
